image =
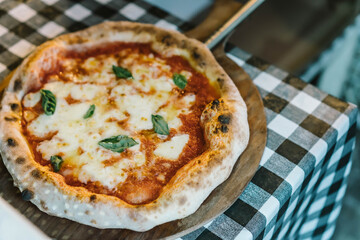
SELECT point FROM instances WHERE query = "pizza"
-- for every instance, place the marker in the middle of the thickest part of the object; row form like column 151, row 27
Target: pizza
column 121, row 125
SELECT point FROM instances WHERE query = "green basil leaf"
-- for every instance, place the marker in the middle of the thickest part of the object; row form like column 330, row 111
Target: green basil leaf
column 90, row 111
column 160, row 125
column 122, row 72
column 48, row 101
column 56, row 162
column 180, row 80
column 118, row 143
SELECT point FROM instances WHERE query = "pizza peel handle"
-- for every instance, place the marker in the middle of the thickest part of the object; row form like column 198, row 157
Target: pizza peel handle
column 223, row 17
column 221, row 12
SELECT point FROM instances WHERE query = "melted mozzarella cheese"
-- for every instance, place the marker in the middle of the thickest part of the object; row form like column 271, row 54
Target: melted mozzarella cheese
column 173, row 148
column 32, row 99
column 116, row 100
column 172, row 111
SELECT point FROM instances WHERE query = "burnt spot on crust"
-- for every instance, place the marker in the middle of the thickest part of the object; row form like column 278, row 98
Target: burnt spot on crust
column 220, row 81
column 20, row 160
column 166, row 40
column 182, row 200
column 17, row 85
column 224, row 128
column 14, row 106
column 76, row 39
column 27, row 195
column 196, row 55
column 11, row 142
column 43, row 205
column 215, row 104
column 2, row 93
column 92, row 198
column 224, row 119
column 194, row 184
column 36, row 174
column 11, row 119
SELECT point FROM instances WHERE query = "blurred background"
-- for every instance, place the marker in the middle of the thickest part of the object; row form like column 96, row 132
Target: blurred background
column 318, row 41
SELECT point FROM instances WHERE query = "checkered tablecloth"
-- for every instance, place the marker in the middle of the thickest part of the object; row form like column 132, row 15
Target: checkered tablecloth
column 299, row 186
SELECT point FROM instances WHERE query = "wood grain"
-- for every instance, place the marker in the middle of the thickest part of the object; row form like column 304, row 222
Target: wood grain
column 221, row 11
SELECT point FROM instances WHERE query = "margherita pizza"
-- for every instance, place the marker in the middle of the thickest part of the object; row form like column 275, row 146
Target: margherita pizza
column 121, row 125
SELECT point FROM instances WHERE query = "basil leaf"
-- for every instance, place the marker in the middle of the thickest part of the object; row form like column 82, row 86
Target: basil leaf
column 179, row 80
column 160, row 125
column 90, row 111
column 118, row 143
column 48, row 101
column 56, row 162
column 122, row 72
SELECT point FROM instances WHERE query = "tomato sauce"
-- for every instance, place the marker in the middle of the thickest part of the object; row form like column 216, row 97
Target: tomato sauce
column 156, row 172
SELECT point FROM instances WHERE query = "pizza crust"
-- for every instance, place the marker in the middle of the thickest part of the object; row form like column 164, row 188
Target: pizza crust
column 224, row 121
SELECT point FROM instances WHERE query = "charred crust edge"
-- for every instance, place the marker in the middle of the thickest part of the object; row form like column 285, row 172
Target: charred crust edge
column 224, row 129
column 11, row 119
column 27, row 195
column 20, row 160
column 166, row 40
column 214, row 104
column 36, row 174
column 17, row 85
column 11, row 142
column 221, row 82
column 224, row 118
column 14, row 106
column 43, row 205
column 195, row 54
column 92, row 198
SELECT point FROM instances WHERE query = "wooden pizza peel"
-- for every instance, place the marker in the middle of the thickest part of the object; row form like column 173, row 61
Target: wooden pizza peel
column 210, row 31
